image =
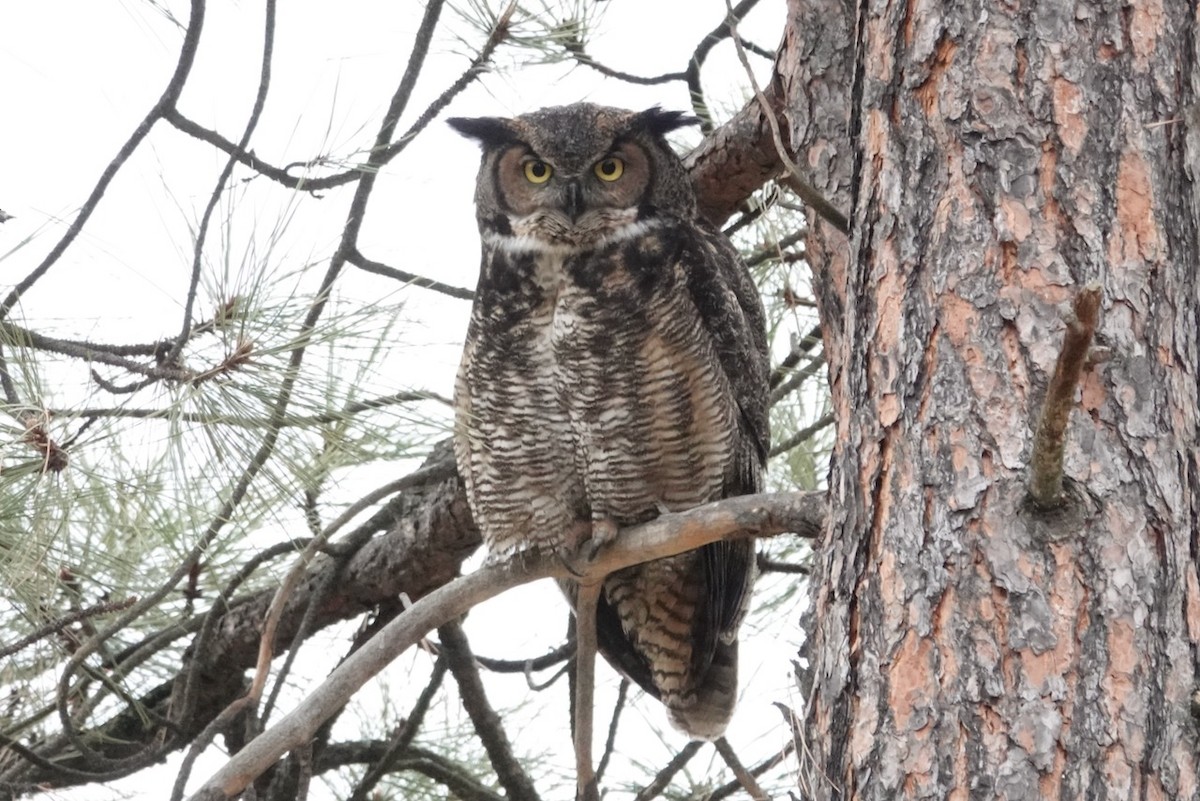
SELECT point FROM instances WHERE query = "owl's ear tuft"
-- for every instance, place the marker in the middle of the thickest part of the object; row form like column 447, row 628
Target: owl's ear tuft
column 489, row 131
column 658, row 121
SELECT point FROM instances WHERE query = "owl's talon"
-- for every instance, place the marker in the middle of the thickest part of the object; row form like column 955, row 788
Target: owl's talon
column 567, row 560
column 604, row 531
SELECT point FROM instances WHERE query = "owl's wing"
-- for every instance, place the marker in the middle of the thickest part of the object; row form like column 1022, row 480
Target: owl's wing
column 731, row 310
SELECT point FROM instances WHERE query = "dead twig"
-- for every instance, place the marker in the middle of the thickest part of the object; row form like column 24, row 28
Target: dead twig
column 795, row 179
column 1046, row 463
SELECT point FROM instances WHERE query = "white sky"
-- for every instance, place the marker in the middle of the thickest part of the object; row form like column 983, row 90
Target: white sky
column 77, row 76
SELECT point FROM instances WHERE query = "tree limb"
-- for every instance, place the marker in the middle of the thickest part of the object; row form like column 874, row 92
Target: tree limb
column 670, row 534
column 461, row 662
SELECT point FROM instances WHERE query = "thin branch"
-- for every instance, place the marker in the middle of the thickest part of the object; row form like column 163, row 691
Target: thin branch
column 587, row 599
column 803, row 435
column 610, row 742
column 26, row 337
column 60, row 623
column 1046, row 463
column 768, row 565
column 797, row 181
column 512, row 777
column 575, row 47
column 800, row 347
column 560, row 654
column 260, row 100
column 663, row 778
column 814, row 366
column 539, row 686
column 304, row 759
column 456, row 778
column 363, row 263
column 292, row 421
column 89, row 352
column 404, row 735
column 724, row 30
column 801, row 513
column 757, row 50
column 775, row 249
column 744, row 776
column 726, row 790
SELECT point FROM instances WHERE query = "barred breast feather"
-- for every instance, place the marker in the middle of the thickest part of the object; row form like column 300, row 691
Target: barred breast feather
column 615, row 367
column 611, row 385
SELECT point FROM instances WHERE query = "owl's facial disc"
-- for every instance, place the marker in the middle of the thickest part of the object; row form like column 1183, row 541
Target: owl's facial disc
column 573, row 202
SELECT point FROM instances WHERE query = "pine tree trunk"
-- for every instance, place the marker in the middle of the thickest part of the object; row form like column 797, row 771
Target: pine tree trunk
column 995, row 160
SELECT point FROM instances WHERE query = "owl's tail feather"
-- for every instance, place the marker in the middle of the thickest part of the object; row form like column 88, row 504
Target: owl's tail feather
column 704, row 713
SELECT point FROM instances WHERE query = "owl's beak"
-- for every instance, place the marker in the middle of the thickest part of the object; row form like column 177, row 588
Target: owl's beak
column 573, row 204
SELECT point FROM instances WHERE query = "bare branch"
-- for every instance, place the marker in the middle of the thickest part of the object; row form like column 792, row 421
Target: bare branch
column 749, row 515
column 814, row 366
column 664, row 776
column 402, row 739
column 560, row 654
column 60, row 623
column 732, row 787
column 1046, row 462
column 291, row 421
column 455, row 777
column 744, row 777
column 803, row 435
column 363, row 263
column 768, row 565
column 799, row 348
column 611, row 742
column 512, row 777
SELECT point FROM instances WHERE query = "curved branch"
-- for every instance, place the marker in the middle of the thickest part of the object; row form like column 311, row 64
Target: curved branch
column 403, row 736
column 460, row 660
column 363, row 263
column 183, row 67
column 260, row 100
column 750, row 515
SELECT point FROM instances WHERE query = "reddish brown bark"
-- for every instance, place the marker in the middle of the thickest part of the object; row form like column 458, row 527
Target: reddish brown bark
column 1004, row 156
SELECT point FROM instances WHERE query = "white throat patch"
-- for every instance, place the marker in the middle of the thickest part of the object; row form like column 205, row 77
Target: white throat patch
column 528, row 243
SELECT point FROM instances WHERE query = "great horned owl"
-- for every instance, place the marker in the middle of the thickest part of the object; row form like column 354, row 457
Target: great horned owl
column 615, row 366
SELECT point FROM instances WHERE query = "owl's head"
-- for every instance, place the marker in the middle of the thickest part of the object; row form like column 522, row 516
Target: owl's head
column 578, row 175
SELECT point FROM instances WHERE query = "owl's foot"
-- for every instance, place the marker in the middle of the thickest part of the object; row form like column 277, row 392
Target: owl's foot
column 604, row 531
column 583, row 543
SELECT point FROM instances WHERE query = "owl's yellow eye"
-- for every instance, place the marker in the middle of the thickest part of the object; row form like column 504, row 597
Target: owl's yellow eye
column 538, row 172
column 610, row 169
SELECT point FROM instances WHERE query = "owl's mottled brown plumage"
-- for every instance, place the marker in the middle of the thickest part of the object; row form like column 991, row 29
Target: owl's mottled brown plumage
column 615, row 367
